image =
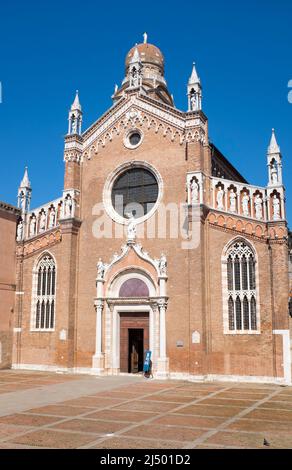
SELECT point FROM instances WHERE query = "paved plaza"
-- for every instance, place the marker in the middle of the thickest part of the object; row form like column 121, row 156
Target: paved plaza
column 51, row 410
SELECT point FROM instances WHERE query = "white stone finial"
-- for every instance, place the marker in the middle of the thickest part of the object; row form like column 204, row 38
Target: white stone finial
column 194, row 76
column 145, row 37
column 116, row 88
column 273, row 147
column 136, row 56
column 25, row 183
column 76, row 103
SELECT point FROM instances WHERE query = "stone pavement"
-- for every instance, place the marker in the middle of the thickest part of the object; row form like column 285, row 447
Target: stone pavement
column 47, row 410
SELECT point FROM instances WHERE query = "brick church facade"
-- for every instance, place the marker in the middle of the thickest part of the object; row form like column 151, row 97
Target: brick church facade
column 158, row 243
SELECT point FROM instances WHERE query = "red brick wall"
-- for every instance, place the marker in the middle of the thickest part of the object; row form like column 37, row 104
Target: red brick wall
column 8, row 220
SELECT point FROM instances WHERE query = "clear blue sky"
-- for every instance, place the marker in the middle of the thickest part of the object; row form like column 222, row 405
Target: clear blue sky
column 49, row 49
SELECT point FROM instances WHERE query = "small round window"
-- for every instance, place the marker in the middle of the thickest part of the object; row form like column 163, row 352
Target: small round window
column 135, row 192
column 134, row 138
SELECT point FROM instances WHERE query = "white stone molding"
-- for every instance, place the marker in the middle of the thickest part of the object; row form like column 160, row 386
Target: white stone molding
column 128, row 134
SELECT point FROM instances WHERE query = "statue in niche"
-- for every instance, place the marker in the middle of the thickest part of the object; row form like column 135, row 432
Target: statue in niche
column 258, row 204
column 73, row 125
column 100, row 269
column 68, row 206
column 245, row 204
column 43, row 221
column 32, row 226
column 193, row 100
column 232, row 200
column 23, row 203
column 135, row 77
column 276, row 208
column 274, row 173
column 52, row 218
column 20, row 231
column 194, row 191
column 220, row 195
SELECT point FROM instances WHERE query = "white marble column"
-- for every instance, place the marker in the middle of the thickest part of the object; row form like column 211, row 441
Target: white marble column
column 162, row 342
column 98, row 358
column 163, row 362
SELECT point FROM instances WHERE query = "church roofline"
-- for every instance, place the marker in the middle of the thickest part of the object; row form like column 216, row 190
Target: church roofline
column 174, row 111
column 227, row 162
column 4, row 206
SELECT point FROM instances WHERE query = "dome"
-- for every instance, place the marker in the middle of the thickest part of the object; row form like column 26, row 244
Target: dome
column 148, row 54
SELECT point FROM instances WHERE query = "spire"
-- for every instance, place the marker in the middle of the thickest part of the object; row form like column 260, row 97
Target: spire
column 274, row 160
column 24, row 193
column 76, row 103
column 145, row 38
column 75, row 116
column 273, row 147
column 25, row 183
column 194, row 91
column 194, row 76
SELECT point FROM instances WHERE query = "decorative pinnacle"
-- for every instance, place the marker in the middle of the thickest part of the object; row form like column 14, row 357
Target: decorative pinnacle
column 25, row 183
column 194, row 76
column 145, row 37
column 136, row 56
column 273, row 147
column 76, row 104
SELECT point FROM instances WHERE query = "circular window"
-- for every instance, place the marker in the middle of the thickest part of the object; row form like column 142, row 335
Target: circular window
column 133, row 139
column 135, row 191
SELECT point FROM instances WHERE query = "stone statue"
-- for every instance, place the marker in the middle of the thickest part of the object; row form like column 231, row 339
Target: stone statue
column 194, row 192
column 100, row 269
column 19, row 231
column 274, row 174
column 132, row 231
column 74, row 125
column 220, row 195
column 52, row 218
column 232, row 200
column 276, row 208
column 193, row 100
column 245, row 202
column 162, row 265
column 43, row 221
column 32, row 226
column 68, row 206
column 258, row 204
column 23, row 203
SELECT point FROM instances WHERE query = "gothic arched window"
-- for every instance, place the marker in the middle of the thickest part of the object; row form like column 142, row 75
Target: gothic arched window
column 241, row 298
column 44, row 300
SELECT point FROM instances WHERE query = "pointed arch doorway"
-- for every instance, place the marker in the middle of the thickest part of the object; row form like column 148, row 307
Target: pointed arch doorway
column 133, row 320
